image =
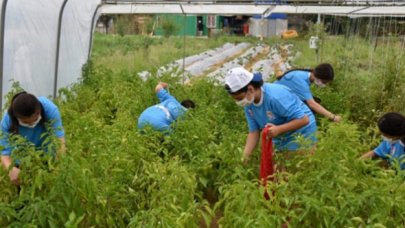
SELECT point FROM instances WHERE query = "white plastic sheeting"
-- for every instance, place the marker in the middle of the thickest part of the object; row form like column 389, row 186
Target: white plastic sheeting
column 273, row 62
column 200, row 67
column 351, row 11
column 235, row 9
column 290, row 9
column 1, row 4
column 30, row 45
column 373, row 2
column 276, row 27
column 177, row 66
column 256, row 27
column 140, row 9
column 188, row 61
column 242, row 60
column 31, row 38
column 217, row 9
column 259, row 58
column 225, row 9
column 266, row 65
column 387, row 11
column 267, row 28
column 75, row 39
column 197, row 65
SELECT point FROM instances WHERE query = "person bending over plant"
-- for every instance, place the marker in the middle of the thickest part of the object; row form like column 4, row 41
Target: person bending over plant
column 162, row 115
column 392, row 128
column 27, row 116
column 299, row 81
column 270, row 104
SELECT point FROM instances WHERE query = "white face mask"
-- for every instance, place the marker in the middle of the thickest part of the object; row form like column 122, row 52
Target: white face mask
column 389, row 140
column 30, row 125
column 319, row 83
column 245, row 102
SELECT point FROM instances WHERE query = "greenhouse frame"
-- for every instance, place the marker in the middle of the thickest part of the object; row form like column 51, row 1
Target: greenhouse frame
column 45, row 43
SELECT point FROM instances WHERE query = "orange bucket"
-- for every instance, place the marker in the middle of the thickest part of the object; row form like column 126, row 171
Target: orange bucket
column 289, row 34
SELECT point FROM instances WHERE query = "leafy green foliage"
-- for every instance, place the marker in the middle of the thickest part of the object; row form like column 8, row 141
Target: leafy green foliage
column 368, row 81
column 330, row 188
column 114, row 176
column 169, row 27
column 122, row 25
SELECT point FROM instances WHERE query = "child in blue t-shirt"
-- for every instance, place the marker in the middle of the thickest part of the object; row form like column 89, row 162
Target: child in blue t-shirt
column 392, row 128
column 299, row 81
column 162, row 115
column 270, row 104
column 27, row 116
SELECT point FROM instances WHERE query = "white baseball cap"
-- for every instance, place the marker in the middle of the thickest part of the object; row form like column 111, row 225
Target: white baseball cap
column 237, row 78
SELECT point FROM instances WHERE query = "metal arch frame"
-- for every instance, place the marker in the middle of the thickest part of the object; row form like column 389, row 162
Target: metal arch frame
column 268, row 11
column 93, row 21
column 2, row 36
column 102, row 2
column 184, row 42
column 55, row 85
column 2, row 31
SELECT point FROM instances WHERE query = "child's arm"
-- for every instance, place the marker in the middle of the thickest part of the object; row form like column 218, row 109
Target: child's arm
column 251, row 142
column 313, row 105
column 6, row 161
column 370, row 154
column 162, row 93
column 293, row 125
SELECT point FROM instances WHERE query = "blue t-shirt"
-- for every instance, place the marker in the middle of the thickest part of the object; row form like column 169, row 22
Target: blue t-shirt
column 160, row 116
column 279, row 106
column 33, row 135
column 390, row 151
column 299, row 83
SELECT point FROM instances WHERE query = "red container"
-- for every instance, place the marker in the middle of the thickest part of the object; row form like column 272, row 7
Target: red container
column 245, row 28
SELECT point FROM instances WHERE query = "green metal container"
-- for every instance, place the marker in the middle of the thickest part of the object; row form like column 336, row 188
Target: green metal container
column 185, row 25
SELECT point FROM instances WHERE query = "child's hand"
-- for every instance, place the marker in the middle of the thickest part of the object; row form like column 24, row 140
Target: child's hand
column 14, row 175
column 337, row 119
column 273, row 131
column 245, row 159
column 163, row 84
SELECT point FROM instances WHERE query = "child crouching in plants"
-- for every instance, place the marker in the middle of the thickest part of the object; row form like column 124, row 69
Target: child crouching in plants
column 27, row 116
column 392, row 128
column 299, row 81
column 271, row 104
column 162, row 115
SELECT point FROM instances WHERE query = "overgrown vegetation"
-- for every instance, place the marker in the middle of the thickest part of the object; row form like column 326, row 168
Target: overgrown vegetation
column 169, row 27
column 113, row 176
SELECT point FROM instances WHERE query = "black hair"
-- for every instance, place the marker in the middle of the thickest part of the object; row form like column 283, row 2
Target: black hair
column 23, row 104
column 392, row 124
column 188, row 103
column 323, row 71
column 256, row 82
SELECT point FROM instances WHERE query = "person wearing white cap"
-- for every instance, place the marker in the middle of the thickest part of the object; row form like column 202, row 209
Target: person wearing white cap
column 299, row 81
column 270, row 104
column 162, row 115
